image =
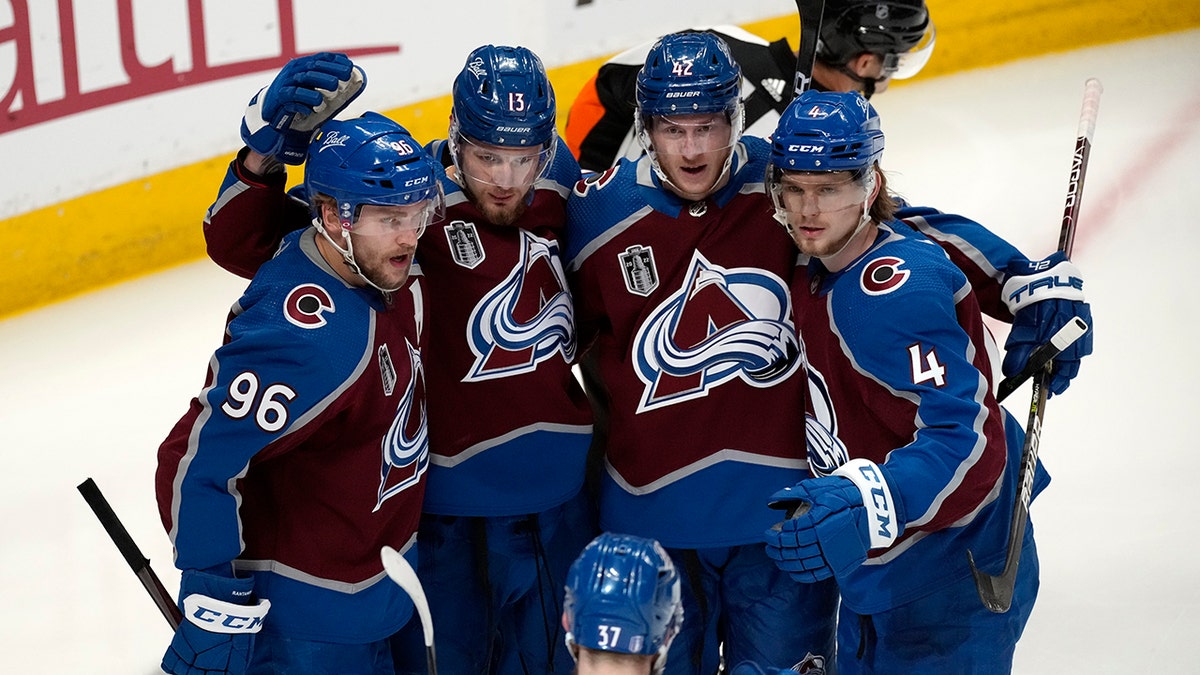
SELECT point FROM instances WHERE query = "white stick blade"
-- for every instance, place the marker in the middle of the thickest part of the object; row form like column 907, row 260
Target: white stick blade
column 399, row 571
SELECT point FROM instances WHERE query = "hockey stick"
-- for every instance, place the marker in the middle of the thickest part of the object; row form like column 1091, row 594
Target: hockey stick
column 399, row 571
column 1065, row 337
column 810, row 30
column 133, row 555
column 996, row 591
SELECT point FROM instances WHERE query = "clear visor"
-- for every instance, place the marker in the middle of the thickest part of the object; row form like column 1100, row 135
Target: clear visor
column 501, row 166
column 381, row 220
column 799, row 194
column 907, row 64
column 691, row 135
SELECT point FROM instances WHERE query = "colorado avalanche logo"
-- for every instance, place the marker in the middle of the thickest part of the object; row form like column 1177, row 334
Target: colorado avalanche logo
column 883, row 275
column 305, row 305
column 406, row 444
column 722, row 324
column 525, row 320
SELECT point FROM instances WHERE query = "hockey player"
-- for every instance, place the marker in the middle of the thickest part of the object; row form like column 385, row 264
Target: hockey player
column 863, row 46
column 510, row 427
column 681, row 283
column 307, row 449
column 622, row 607
column 908, row 443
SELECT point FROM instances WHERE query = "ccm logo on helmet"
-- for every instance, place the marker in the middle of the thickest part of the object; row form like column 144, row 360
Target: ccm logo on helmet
column 806, row 148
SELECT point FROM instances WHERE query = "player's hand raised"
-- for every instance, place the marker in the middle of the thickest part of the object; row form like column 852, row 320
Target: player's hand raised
column 281, row 119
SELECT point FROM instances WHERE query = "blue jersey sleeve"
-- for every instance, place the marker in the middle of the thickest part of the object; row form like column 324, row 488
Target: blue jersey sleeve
column 981, row 254
column 267, row 385
column 912, row 342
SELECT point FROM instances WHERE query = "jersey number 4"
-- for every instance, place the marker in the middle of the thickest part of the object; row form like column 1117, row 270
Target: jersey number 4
column 270, row 410
column 928, row 368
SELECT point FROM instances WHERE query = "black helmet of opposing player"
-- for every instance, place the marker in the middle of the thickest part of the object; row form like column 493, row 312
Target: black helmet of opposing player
column 898, row 31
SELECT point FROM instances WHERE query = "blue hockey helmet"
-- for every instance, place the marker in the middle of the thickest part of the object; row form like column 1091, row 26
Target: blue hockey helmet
column 687, row 73
column 827, row 131
column 823, row 132
column 899, row 31
column 370, row 160
column 503, row 97
column 623, row 595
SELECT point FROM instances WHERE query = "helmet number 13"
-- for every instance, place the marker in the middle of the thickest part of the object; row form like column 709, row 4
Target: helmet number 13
column 516, row 101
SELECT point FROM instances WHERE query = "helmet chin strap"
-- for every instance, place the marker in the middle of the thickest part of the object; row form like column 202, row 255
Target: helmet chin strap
column 867, row 83
column 348, row 256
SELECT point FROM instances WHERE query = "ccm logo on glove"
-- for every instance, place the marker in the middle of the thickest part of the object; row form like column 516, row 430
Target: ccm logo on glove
column 877, row 498
column 218, row 616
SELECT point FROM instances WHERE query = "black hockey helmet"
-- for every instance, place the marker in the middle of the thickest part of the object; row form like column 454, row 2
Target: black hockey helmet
column 883, row 27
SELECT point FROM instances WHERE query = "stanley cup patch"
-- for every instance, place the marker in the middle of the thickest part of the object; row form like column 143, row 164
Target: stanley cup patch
column 637, row 264
column 464, row 243
column 387, row 371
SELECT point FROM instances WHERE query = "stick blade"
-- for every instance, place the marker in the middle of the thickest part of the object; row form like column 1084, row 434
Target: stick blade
column 400, row 571
column 995, row 592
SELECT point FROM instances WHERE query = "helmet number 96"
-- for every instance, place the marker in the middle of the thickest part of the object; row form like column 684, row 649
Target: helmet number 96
column 270, row 409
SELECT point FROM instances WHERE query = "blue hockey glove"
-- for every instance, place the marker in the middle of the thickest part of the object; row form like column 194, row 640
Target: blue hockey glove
column 848, row 514
column 218, row 628
column 281, row 119
column 1043, row 296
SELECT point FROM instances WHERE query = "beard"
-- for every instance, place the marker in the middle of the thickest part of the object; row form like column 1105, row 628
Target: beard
column 378, row 268
column 503, row 215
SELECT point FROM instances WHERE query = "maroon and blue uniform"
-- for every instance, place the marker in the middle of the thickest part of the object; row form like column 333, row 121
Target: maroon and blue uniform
column 312, row 416
column 686, row 313
column 899, row 371
column 509, row 425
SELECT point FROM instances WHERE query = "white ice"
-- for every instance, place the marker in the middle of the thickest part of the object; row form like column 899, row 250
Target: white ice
column 90, row 386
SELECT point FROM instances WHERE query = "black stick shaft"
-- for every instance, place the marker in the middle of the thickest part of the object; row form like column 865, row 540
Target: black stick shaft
column 139, row 563
column 996, row 591
column 806, row 52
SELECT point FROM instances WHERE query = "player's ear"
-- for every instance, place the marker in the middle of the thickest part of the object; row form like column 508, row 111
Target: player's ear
column 329, row 217
column 865, row 65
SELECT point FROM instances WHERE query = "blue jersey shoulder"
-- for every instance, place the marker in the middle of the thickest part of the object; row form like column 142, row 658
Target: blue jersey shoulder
column 299, row 324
